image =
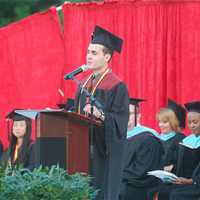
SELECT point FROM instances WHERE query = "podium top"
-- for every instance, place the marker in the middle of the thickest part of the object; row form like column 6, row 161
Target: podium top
column 33, row 114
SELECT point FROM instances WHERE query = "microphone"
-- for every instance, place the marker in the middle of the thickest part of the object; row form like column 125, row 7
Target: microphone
column 77, row 71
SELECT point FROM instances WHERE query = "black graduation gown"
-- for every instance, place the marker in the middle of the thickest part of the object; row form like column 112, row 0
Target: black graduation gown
column 170, row 157
column 108, row 140
column 171, row 150
column 143, row 154
column 185, row 192
column 30, row 161
column 188, row 160
column 188, row 192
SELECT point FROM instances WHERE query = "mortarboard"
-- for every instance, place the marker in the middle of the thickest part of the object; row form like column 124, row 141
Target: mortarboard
column 69, row 105
column 179, row 111
column 193, row 106
column 135, row 102
column 109, row 40
column 19, row 115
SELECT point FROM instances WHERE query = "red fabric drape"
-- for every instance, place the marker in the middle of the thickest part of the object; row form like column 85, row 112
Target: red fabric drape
column 32, row 59
column 160, row 53
column 159, row 57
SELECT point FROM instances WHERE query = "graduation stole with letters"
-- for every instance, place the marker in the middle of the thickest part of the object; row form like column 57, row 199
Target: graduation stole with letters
column 95, row 86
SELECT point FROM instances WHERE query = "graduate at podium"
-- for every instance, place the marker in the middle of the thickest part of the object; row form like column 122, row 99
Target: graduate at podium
column 106, row 155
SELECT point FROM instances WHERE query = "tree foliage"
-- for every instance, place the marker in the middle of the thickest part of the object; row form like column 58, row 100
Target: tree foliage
column 13, row 10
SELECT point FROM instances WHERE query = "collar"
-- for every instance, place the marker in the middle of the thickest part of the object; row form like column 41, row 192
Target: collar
column 167, row 136
column 192, row 141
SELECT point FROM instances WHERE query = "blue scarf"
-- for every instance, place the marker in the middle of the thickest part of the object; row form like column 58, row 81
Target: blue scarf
column 192, row 140
column 167, row 136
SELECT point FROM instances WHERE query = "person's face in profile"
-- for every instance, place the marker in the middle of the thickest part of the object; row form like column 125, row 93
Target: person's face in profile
column 132, row 114
column 96, row 58
column 164, row 126
column 19, row 128
column 194, row 122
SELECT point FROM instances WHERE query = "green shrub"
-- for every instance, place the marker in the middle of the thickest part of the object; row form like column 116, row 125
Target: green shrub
column 44, row 184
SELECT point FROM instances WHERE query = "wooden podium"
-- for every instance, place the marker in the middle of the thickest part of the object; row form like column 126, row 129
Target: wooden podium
column 63, row 138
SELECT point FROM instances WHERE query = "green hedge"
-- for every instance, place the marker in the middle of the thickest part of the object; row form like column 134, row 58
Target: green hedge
column 44, row 184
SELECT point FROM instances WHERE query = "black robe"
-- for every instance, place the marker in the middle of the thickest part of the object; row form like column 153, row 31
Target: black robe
column 171, row 150
column 185, row 168
column 170, row 157
column 187, row 161
column 29, row 162
column 108, row 140
column 188, row 192
column 185, row 192
column 144, row 152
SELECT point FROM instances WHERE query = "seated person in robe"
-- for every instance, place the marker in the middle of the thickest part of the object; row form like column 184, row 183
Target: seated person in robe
column 134, row 125
column 171, row 121
column 21, row 148
column 189, row 189
column 143, row 154
column 188, row 154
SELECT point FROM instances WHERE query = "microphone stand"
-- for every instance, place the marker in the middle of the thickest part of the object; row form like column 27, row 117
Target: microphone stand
column 92, row 133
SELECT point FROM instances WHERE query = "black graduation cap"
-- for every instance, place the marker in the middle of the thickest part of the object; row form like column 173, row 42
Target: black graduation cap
column 179, row 111
column 193, row 106
column 69, row 105
column 19, row 115
column 109, row 40
column 135, row 102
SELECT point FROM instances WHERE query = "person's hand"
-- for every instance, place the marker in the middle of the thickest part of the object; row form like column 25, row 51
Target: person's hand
column 97, row 113
column 168, row 168
column 181, row 181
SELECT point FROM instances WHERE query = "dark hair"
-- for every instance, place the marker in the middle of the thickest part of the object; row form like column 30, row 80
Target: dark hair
column 24, row 149
column 107, row 51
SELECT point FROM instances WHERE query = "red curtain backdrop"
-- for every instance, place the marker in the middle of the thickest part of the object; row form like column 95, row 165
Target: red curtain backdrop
column 31, row 64
column 160, row 57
